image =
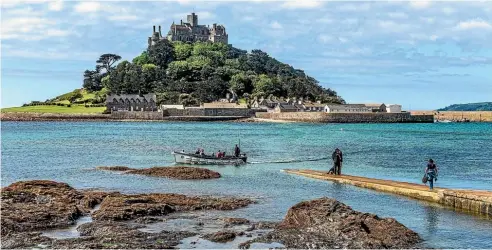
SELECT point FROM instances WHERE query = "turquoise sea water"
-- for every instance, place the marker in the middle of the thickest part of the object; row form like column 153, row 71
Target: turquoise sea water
column 69, row 152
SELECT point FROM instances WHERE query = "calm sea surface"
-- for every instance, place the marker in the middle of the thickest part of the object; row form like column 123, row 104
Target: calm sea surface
column 69, row 152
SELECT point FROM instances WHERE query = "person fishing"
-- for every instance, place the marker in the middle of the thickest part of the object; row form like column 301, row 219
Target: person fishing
column 337, row 158
column 431, row 172
column 237, row 151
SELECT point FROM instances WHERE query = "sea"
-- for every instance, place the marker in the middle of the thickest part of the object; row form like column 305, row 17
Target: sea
column 70, row 151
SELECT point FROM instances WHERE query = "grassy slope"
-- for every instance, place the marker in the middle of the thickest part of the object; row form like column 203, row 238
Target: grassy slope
column 55, row 109
column 75, row 109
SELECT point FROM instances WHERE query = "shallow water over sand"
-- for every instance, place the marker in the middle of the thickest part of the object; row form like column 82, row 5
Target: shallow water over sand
column 69, row 152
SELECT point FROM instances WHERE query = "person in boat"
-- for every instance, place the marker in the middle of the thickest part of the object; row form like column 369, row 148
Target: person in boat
column 219, row 154
column 337, row 158
column 431, row 172
column 197, row 152
column 237, row 151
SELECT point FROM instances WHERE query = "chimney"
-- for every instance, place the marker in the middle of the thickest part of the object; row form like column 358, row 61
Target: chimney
column 160, row 34
column 215, row 26
column 181, row 21
column 154, row 29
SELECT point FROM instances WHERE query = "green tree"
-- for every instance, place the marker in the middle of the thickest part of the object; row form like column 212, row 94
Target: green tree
column 106, row 61
column 182, row 50
column 142, row 59
column 266, row 85
column 92, row 80
column 75, row 95
column 161, row 53
column 240, row 83
column 178, row 70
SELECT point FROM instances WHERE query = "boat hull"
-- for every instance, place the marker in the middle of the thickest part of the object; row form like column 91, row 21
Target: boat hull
column 184, row 158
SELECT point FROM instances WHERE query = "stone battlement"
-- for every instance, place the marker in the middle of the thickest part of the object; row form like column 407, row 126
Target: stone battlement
column 322, row 117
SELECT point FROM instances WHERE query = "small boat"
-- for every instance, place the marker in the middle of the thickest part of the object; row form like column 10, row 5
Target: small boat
column 443, row 121
column 182, row 157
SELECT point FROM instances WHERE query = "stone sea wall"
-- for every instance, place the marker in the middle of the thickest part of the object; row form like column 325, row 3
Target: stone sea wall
column 209, row 112
column 137, row 115
column 473, row 201
column 473, row 116
column 24, row 116
column 322, row 117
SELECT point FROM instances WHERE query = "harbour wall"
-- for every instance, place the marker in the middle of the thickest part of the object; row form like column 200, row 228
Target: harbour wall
column 210, row 112
column 136, row 115
column 473, row 201
column 473, row 116
column 31, row 116
column 323, row 117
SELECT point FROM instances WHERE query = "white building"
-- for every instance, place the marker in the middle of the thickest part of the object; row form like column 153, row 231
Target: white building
column 172, row 106
column 393, row 108
column 347, row 108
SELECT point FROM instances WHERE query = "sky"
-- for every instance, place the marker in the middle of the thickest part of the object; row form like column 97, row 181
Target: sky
column 420, row 54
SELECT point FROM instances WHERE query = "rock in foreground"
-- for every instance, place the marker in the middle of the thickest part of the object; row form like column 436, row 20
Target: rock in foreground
column 182, row 173
column 114, row 168
column 41, row 204
column 120, row 207
column 327, row 223
column 221, row 237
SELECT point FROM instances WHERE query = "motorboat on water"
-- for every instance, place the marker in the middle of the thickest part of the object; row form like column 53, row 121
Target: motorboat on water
column 186, row 158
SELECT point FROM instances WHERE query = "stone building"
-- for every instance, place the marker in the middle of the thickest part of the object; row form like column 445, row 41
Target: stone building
column 393, row 108
column 347, row 108
column 116, row 102
column 191, row 31
column 375, row 107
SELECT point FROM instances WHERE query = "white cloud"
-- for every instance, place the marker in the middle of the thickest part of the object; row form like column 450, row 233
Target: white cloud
column 354, row 7
column 325, row 38
column 13, row 3
column 399, row 15
column 84, row 7
column 474, row 24
column 276, row 25
column 49, row 54
column 19, row 12
column 56, row 5
column 429, row 20
column 123, row 18
column 31, row 27
column 433, row 38
column 420, row 4
column 325, row 20
column 448, row 10
column 301, row 4
column 342, row 39
column 387, row 24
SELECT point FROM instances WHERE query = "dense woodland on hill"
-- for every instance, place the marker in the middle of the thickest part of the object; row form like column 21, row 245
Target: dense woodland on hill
column 191, row 73
column 479, row 106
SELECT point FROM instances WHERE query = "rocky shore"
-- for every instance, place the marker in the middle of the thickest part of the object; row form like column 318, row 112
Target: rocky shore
column 158, row 220
column 179, row 172
column 327, row 223
column 30, row 207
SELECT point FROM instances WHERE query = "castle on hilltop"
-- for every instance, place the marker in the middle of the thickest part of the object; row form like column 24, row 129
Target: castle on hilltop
column 191, row 31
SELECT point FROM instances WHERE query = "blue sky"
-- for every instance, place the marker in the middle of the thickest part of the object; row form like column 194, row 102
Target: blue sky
column 421, row 54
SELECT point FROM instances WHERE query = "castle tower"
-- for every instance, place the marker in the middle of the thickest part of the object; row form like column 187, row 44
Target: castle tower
column 193, row 19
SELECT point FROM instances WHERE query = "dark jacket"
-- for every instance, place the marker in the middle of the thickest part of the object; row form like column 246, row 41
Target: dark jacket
column 337, row 158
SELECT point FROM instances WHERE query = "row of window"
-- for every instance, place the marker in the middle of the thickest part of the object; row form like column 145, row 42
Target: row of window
column 131, row 100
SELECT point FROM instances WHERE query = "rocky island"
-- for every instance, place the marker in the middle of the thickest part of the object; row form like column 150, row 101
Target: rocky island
column 178, row 172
